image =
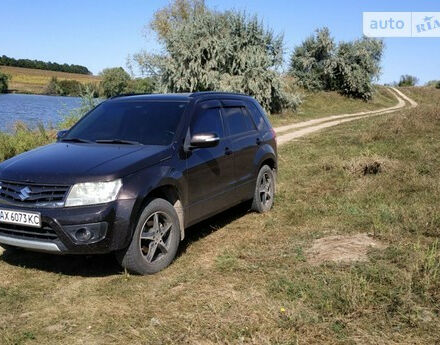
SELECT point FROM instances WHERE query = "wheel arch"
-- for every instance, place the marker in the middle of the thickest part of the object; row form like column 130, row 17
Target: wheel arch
column 171, row 193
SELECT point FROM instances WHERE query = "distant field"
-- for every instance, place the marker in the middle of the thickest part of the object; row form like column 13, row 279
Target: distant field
column 26, row 80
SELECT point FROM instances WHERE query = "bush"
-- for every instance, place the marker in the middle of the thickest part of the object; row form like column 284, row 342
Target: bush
column 408, row 80
column 222, row 51
column 64, row 87
column 114, row 81
column 4, row 79
column 310, row 63
column 141, row 85
column 433, row 83
column 23, row 139
column 349, row 67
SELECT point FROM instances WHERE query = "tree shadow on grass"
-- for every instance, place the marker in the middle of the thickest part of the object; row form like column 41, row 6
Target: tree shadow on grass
column 105, row 264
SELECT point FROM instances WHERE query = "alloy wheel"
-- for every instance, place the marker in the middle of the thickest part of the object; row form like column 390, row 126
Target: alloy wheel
column 155, row 238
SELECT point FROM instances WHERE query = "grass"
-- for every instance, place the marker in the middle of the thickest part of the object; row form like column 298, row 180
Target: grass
column 27, row 80
column 244, row 278
column 319, row 104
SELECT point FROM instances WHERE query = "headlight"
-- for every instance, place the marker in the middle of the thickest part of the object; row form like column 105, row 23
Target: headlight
column 91, row 193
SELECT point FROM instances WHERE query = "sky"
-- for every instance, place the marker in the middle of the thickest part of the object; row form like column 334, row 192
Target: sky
column 102, row 33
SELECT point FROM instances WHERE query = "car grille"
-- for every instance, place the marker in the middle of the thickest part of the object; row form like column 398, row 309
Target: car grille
column 43, row 233
column 32, row 193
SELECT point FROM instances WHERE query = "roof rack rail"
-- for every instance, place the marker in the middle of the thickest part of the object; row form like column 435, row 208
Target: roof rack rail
column 128, row 94
column 201, row 93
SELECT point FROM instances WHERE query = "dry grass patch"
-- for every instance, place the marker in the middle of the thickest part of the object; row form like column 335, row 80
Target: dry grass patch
column 342, row 249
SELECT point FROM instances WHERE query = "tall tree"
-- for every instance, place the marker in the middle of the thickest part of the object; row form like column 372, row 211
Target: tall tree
column 210, row 50
column 114, row 81
column 348, row 67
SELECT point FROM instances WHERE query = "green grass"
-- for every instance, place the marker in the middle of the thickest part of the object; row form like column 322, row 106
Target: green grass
column 244, row 278
column 320, row 104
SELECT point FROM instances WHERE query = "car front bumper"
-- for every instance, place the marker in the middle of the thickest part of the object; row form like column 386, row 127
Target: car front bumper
column 109, row 226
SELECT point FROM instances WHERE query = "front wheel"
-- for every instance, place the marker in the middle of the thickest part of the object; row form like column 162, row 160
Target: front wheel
column 155, row 240
column 264, row 190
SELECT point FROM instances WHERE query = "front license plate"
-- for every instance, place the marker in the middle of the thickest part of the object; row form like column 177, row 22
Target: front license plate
column 18, row 217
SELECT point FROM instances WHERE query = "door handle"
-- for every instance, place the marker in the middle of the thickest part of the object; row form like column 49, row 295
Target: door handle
column 228, row 151
column 259, row 141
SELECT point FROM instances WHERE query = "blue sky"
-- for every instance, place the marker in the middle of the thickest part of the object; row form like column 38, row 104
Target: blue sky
column 101, row 33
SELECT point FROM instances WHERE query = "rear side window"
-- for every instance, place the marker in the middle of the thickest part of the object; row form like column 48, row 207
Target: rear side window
column 207, row 121
column 238, row 121
column 258, row 118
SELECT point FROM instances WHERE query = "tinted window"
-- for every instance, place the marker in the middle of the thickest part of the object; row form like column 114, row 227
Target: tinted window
column 147, row 122
column 257, row 116
column 237, row 120
column 207, row 121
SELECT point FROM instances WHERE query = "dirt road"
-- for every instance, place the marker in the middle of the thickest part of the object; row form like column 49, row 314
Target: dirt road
column 297, row 130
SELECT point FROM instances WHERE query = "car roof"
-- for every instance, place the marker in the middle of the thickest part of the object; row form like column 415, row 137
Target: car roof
column 179, row 96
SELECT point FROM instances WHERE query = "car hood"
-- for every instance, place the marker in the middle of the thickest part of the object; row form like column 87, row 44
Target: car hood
column 69, row 163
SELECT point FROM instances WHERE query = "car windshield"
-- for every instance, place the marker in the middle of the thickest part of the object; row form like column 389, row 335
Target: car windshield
column 129, row 122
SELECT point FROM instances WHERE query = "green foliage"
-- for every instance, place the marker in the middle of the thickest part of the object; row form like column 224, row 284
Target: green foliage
column 114, row 81
column 141, row 85
column 310, row 62
column 168, row 18
column 37, row 64
column 3, row 82
column 433, row 83
column 21, row 140
column 63, row 87
column 349, row 67
column 223, row 51
column 408, row 80
column 357, row 65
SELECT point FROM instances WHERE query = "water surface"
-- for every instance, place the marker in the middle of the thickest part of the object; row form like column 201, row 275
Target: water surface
column 34, row 109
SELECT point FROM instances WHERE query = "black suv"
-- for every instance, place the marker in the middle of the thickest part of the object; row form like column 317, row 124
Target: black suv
column 136, row 171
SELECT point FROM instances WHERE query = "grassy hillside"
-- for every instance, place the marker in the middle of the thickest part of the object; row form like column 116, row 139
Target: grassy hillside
column 323, row 103
column 245, row 278
column 26, row 80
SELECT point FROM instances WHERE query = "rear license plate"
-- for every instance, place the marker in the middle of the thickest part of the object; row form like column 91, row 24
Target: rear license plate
column 22, row 218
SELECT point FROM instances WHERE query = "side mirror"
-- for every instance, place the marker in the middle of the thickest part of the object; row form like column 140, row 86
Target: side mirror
column 203, row 140
column 61, row 134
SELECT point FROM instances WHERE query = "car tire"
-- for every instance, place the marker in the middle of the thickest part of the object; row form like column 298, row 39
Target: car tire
column 264, row 190
column 155, row 240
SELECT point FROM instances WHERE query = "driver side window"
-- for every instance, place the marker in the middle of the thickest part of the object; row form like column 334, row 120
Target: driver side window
column 207, row 121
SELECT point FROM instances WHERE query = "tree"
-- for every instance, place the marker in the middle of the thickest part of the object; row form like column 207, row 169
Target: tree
column 4, row 79
column 408, row 80
column 348, row 67
column 310, row 63
column 222, row 51
column 114, row 81
column 356, row 66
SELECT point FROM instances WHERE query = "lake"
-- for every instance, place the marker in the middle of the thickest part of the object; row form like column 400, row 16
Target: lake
column 34, row 109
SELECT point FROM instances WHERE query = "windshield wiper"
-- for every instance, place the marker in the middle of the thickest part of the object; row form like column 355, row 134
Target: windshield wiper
column 118, row 141
column 76, row 140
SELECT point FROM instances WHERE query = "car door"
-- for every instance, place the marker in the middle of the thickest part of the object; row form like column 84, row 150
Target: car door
column 209, row 171
column 244, row 141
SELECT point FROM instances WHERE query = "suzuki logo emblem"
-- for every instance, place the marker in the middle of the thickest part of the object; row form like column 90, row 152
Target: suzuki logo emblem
column 24, row 193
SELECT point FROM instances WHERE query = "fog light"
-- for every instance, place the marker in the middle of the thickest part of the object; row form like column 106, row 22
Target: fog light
column 83, row 235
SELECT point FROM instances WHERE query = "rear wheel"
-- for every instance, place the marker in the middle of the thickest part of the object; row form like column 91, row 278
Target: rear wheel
column 155, row 240
column 264, row 190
